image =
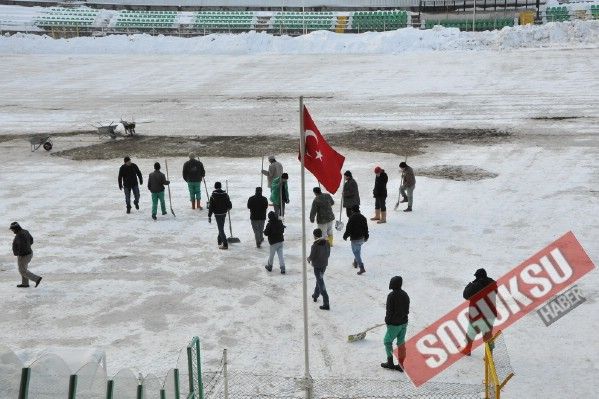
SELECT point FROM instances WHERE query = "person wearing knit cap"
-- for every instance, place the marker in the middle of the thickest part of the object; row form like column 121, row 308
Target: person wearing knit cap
column 279, row 194
column 156, row 182
column 21, row 248
column 129, row 173
column 275, row 169
column 219, row 205
column 258, row 205
column 408, row 184
column 351, row 194
column 357, row 231
column 380, row 195
column 485, row 284
column 193, row 174
column 322, row 212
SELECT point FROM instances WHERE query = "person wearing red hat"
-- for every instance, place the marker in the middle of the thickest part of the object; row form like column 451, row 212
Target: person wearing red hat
column 380, row 195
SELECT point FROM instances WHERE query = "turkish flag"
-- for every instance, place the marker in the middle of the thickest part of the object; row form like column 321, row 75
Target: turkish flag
column 320, row 158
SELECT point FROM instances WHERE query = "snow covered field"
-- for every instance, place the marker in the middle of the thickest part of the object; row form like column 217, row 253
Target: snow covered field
column 139, row 289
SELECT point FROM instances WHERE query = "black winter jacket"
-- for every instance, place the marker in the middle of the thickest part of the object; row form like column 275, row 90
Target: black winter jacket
column 479, row 284
column 193, row 171
column 128, row 175
column 257, row 204
column 219, row 203
column 356, row 228
column 319, row 254
column 351, row 194
column 380, row 185
column 398, row 304
column 21, row 245
column 274, row 230
column 409, row 180
column 157, row 181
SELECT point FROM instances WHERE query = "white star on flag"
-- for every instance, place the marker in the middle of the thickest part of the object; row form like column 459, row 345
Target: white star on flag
column 319, row 155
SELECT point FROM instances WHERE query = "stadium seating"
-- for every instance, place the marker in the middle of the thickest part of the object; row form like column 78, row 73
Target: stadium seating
column 146, row 19
column 479, row 24
column 595, row 11
column 224, row 20
column 378, row 20
column 309, row 20
column 67, row 17
column 557, row 14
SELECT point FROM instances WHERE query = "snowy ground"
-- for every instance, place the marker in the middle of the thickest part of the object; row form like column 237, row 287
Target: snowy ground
column 139, row 289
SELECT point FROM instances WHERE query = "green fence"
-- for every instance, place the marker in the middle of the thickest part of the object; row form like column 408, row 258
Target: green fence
column 50, row 378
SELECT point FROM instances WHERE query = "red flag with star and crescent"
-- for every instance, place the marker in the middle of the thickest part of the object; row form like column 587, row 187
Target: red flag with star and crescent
column 321, row 159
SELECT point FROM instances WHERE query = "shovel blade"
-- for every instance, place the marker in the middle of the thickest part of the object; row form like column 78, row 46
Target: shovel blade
column 233, row 240
column 339, row 225
column 356, row 337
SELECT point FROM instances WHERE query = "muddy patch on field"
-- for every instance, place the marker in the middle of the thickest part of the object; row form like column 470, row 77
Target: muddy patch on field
column 456, row 172
column 398, row 142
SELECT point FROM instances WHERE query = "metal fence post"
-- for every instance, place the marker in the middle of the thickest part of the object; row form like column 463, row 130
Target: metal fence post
column 176, row 376
column 24, row 386
column 162, row 394
column 199, row 358
column 140, row 391
column 73, row 386
column 225, row 374
column 109, row 389
column 190, row 369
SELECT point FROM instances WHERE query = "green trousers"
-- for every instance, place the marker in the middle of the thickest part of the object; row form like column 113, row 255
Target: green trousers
column 394, row 332
column 195, row 190
column 155, row 198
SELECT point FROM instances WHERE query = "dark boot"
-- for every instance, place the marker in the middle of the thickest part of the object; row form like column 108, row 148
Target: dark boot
column 268, row 267
column 404, row 199
column 408, row 209
column 361, row 271
column 23, row 286
column 128, row 209
column 389, row 364
column 314, row 298
column 355, row 264
column 193, row 204
column 154, row 217
column 325, row 307
column 39, row 280
column 136, row 204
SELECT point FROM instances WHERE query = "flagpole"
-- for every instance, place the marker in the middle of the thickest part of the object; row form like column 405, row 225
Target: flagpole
column 304, row 255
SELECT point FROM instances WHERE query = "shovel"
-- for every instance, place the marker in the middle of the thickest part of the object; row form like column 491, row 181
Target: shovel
column 362, row 335
column 169, row 189
column 231, row 239
column 339, row 223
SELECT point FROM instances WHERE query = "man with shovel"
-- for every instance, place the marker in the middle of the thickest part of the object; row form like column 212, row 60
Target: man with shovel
column 219, row 205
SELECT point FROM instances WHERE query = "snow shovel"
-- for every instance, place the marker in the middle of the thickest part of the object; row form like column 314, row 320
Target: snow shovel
column 231, row 239
column 207, row 195
column 262, row 174
column 169, row 189
column 339, row 223
column 362, row 335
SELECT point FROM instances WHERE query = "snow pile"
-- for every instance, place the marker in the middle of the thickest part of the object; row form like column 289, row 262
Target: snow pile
column 566, row 34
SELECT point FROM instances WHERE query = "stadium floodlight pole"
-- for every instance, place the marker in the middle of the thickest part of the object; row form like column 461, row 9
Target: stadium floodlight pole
column 304, row 264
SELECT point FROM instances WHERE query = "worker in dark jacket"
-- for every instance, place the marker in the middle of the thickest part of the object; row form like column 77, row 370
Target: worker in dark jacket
column 128, row 175
column 193, row 173
column 21, row 248
column 481, row 283
column 219, row 205
column 322, row 212
column 275, row 231
column 380, row 195
column 319, row 258
column 396, row 319
column 156, row 182
column 351, row 194
column 408, row 184
column 357, row 231
column 258, row 204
